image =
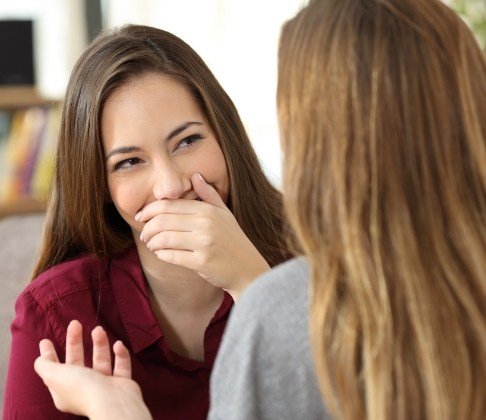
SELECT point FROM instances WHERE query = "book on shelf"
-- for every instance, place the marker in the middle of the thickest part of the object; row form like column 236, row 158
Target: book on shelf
column 27, row 148
column 5, row 121
column 43, row 171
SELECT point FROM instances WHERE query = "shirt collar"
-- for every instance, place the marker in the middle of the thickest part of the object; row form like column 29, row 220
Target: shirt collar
column 131, row 295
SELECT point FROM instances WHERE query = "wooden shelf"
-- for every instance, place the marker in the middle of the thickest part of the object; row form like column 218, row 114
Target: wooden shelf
column 22, row 207
column 14, row 97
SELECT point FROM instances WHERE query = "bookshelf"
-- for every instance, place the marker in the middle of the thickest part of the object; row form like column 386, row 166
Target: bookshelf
column 16, row 97
column 22, row 207
column 25, row 101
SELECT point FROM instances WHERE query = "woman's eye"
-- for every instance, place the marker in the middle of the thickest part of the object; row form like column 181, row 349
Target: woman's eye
column 188, row 141
column 126, row 163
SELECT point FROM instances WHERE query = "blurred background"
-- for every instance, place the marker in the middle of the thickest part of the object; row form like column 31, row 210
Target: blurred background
column 238, row 40
column 41, row 40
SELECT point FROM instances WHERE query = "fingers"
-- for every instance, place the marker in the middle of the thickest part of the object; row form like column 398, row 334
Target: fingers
column 41, row 366
column 44, row 367
column 46, row 364
column 198, row 226
column 123, row 364
column 101, row 351
column 205, row 191
column 182, row 258
column 47, row 350
column 74, row 344
column 167, row 222
column 71, row 386
column 185, row 241
column 74, row 348
column 167, row 207
column 48, row 356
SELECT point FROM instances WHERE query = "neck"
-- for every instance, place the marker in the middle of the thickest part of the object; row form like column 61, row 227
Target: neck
column 182, row 301
column 176, row 287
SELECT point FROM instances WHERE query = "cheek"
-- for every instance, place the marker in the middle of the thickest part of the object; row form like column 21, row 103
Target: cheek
column 215, row 172
column 126, row 196
column 222, row 183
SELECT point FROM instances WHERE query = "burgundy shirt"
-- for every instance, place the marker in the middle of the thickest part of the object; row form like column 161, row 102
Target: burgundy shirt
column 112, row 294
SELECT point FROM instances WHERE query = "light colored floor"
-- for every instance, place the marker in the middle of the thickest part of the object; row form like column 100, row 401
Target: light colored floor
column 19, row 243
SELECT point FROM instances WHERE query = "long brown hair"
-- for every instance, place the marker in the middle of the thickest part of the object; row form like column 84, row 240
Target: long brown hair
column 80, row 218
column 382, row 106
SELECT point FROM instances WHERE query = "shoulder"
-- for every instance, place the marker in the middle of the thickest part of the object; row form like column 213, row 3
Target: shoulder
column 288, row 274
column 275, row 303
column 61, row 293
column 65, row 279
column 282, row 290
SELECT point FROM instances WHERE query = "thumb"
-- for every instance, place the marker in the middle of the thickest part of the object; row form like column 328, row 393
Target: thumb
column 46, row 367
column 205, row 191
column 42, row 365
column 47, row 350
column 47, row 360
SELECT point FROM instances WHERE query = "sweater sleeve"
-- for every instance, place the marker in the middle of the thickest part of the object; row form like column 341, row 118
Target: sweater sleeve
column 26, row 396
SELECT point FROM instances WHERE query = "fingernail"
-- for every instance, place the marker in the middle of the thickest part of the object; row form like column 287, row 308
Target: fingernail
column 199, row 176
column 138, row 216
column 120, row 345
column 141, row 237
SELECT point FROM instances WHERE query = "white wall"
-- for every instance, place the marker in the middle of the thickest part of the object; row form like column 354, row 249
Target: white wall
column 60, row 37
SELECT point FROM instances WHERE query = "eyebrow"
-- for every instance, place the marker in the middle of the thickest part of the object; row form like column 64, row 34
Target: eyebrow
column 181, row 128
column 130, row 149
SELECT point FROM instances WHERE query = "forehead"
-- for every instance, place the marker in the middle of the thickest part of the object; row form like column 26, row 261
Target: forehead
column 152, row 101
column 152, row 89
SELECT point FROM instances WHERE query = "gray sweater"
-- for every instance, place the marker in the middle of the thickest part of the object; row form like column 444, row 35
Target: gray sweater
column 264, row 369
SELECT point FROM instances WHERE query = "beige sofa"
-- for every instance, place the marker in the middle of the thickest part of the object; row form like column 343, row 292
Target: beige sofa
column 19, row 243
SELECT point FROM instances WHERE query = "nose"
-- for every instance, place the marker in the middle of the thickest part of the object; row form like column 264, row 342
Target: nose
column 170, row 182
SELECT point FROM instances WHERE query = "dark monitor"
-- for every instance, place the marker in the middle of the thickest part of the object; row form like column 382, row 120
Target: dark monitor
column 16, row 52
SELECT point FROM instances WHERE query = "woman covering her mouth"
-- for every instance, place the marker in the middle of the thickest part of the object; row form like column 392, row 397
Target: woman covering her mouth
column 160, row 215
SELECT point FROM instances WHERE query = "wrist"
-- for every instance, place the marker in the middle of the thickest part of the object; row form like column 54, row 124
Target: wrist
column 102, row 404
column 250, row 275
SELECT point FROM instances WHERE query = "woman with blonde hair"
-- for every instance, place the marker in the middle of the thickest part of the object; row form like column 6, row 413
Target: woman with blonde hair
column 382, row 108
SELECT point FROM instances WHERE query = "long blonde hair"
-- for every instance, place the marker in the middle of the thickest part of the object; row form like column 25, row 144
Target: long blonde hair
column 382, row 106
